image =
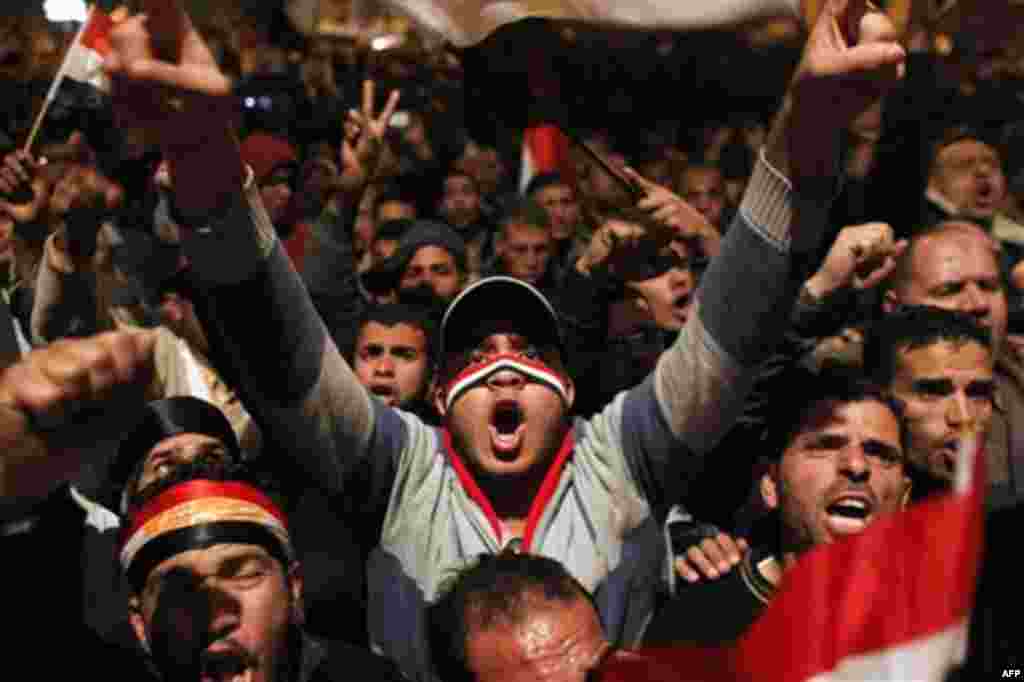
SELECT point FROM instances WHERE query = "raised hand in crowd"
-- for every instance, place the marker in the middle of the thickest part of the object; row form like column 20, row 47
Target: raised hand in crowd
column 669, row 208
column 851, row 59
column 622, row 248
column 362, row 147
column 861, row 257
column 24, row 191
column 64, row 397
column 709, row 557
column 166, row 86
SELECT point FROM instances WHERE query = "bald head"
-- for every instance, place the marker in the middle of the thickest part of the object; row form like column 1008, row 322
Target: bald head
column 953, row 265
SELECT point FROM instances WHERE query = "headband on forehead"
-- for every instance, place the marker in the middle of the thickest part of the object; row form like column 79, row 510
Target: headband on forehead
column 199, row 514
column 478, row 373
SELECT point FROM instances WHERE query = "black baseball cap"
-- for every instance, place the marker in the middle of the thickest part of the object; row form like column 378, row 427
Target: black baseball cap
column 162, row 419
column 495, row 304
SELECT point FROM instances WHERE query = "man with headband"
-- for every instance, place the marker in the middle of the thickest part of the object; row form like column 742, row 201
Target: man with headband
column 216, row 589
column 181, row 515
column 60, row 407
column 508, row 468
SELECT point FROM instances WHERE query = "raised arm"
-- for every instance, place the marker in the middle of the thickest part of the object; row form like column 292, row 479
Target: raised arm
column 57, row 401
column 264, row 329
column 744, row 302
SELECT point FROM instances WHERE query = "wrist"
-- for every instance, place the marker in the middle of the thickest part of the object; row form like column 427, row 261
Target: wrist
column 819, row 287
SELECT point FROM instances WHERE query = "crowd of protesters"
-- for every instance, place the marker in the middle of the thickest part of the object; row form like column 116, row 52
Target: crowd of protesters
column 300, row 379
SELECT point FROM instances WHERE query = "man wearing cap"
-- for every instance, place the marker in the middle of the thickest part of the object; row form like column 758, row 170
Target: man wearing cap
column 59, row 406
column 178, row 522
column 508, row 468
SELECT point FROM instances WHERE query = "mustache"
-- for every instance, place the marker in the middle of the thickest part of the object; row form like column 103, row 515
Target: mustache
column 846, row 487
column 231, row 657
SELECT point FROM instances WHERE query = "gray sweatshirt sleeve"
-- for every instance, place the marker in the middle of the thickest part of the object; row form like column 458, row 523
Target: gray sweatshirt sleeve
column 743, row 305
column 274, row 346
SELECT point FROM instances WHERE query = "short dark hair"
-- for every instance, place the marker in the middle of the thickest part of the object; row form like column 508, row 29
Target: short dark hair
column 393, row 314
column 396, row 191
column 456, row 171
column 799, row 391
column 913, row 327
column 958, row 133
column 494, row 589
column 525, row 211
column 393, row 230
column 543, row 181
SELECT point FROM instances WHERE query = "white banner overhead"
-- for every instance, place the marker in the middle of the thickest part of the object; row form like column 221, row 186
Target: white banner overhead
column 466, row 22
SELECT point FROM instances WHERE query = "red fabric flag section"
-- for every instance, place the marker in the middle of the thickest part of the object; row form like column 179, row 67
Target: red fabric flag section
column 545, row 150
column 892, row 603
column 84, row 60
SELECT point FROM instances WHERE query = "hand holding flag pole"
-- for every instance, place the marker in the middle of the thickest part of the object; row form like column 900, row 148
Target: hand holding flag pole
column 83, row 62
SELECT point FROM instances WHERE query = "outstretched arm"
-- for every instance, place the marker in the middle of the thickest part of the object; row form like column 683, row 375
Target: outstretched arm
column 746, row 296
column 264, row 330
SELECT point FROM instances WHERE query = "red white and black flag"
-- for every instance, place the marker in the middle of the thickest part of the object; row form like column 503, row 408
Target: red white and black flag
column 891, row 604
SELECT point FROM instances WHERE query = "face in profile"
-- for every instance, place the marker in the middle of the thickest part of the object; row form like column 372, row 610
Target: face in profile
column 945, row 388
column 667, row 299
column 841, row 471
column 235, row 600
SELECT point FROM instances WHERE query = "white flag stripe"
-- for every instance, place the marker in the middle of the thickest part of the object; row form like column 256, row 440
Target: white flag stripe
column 86, row 65
column 928, row 659
column 466, row 23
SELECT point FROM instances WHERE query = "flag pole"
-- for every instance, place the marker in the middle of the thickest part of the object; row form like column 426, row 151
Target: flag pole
column 57, row 80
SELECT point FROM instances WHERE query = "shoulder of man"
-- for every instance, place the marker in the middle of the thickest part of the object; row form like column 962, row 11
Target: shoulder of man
column 333, row 660
column 713, row 612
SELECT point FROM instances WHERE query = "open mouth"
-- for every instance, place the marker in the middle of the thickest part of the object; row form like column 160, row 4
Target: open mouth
column 985, row 195
column 944, row 461
column 682, row 302
column 849, row 514
column 507, row 427
column 225, row 666
column 385, row 392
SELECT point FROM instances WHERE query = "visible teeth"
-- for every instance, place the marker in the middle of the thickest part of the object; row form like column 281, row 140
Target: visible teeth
column 849, row 508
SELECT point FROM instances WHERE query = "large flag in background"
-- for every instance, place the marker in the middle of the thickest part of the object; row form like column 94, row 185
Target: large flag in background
column 889, row 605
column 467, row 22
column 84, row 59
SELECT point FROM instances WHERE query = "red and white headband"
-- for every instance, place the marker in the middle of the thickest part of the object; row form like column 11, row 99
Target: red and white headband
column 477, row 373
column 199, row 514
